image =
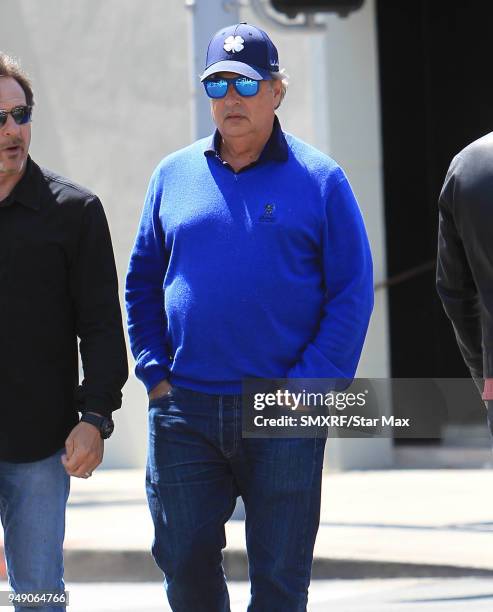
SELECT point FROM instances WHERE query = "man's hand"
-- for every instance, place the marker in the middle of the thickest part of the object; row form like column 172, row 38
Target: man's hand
column 161, row 389
column 84, row 450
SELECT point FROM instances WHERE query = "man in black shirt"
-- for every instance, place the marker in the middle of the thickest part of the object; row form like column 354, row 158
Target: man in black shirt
column 57, row 283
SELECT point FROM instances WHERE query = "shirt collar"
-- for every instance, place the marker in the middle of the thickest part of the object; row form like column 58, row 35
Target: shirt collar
column 276, row 148
column 26, row 191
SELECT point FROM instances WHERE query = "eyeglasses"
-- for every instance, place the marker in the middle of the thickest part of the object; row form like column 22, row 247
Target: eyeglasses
column 218, row 88
column 20, row 114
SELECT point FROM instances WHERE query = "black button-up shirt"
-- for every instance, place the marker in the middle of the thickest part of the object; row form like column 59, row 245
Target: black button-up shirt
column 58, row 283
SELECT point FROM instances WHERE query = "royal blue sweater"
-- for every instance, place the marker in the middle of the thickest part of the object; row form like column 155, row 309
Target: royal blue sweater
column 264, row 273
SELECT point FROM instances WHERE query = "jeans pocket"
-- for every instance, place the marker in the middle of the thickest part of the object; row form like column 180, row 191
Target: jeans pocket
column 162, row 400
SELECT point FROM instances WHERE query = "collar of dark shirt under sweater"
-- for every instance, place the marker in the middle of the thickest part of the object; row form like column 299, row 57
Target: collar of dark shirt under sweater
column 276, row 148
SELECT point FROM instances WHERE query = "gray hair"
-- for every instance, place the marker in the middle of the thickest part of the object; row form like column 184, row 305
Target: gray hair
column 282, row 76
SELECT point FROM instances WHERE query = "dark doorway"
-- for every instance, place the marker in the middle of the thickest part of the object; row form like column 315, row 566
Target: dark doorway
column 436, row 97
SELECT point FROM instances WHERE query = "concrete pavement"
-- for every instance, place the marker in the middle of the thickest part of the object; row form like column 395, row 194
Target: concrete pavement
column 374, row 524
column 387, row 595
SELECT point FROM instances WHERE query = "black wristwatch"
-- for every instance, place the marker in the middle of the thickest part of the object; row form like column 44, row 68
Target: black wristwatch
column 104, row 424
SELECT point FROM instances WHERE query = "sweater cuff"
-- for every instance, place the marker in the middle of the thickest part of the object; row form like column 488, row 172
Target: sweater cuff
column 151, row 374
column 488, row 389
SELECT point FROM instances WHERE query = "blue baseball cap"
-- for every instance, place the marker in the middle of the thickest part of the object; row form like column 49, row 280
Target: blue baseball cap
column 243, row 49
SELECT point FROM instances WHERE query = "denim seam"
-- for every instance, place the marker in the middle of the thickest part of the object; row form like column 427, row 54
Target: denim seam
column 220, row 419
column 235, row 423
column 228, row 451
column 305, row 523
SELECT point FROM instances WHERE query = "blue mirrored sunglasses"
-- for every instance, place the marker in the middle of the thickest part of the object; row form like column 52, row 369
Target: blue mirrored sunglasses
column 20, row 114
column 218, row 88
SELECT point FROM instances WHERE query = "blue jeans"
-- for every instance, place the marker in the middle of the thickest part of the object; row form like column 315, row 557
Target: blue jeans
column 198, row 464
column 33, row 497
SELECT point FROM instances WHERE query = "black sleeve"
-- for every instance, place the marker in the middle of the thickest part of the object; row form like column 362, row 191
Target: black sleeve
column 455, row 283
column 94, row 287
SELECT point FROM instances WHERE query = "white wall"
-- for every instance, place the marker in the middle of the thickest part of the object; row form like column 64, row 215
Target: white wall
column 355, row 141
column 113, row 97
column 111, row 85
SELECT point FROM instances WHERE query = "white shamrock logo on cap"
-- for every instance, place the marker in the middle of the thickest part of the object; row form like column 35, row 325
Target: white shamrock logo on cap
column 234, row 44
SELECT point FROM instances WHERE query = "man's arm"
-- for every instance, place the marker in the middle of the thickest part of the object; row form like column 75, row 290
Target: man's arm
column 145, row 294
column 94, row 290
column 348, row 278
column 455, row 283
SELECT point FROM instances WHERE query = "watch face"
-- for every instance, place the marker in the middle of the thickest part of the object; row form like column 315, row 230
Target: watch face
column 107, row 427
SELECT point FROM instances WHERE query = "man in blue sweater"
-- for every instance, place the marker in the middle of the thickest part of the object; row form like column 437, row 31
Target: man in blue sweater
column 251, row 260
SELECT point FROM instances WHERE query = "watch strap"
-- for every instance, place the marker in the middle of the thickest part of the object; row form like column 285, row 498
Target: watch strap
column 98, row 421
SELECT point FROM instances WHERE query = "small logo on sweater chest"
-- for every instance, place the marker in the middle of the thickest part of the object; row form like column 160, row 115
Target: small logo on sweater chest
column 269, row 214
